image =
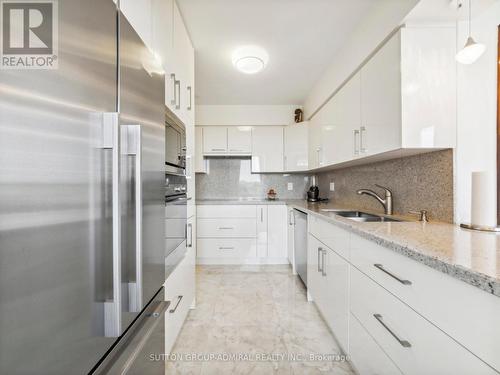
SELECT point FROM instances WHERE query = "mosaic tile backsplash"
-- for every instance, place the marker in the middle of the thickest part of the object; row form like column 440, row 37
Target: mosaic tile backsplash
column 231, row 178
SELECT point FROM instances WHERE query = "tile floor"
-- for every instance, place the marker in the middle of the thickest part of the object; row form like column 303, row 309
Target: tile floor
column 251, row 311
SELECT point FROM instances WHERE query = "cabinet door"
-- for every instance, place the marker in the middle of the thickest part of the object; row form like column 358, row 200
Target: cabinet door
column 180, row 71
column 314, row 141
column 381, row 100
column 214, row 140
column 239, row 140
column 336, row 296
column 138, row 13
column 189, row 89
column 267, row 149
column 162, row 18
column 296, row 147
column 200, row 164
column 262, row 233
column 290, row 237
column 340, row 124
column 277, row 231
column 314, row 277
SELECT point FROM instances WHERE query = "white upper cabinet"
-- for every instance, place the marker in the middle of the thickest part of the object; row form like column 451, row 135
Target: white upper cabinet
column 138, row 13
column 381, row 100
column 214, row 140
column 162, row 15
column 428, row 87
column 200, row 164
column 267, row 149
column 402, row 98
column 296, row 147
column 239, row 140
column 315, row 156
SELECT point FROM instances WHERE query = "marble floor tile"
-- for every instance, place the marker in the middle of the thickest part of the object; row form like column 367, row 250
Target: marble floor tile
column 254, row 320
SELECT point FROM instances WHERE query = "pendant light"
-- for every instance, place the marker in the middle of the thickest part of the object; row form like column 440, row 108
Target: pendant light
column 472, row 50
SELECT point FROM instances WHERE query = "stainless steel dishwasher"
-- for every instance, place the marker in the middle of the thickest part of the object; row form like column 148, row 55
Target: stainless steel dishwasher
column 300, row 244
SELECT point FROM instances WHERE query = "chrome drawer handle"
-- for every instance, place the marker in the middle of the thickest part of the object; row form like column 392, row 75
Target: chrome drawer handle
column 323, row 253
column 320, row 251
column 402, row 281
column 218, row 149
column 176, row 305
column 220, row 228
column 403, row 343
column 226, row 248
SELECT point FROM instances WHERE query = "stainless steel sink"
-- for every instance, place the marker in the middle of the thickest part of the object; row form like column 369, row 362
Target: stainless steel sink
column 360, row 216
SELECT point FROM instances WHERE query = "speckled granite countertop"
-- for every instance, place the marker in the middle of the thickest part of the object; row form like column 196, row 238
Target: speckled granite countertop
column 473, row 257
column 201, row 202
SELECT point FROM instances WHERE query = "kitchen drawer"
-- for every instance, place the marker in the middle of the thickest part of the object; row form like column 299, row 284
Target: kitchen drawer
column 415, row 345
column 180, row 291
column 366, row 355
column 331, row 235
column 223, row 228
column 227, row 248
column 464, row 312
column 226, row 211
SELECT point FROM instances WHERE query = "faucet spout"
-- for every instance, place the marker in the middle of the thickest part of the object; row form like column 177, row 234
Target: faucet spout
column 386, row 203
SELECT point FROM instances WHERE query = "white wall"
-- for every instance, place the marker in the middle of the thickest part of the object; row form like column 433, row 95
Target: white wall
column 476, row 113
column 358, row 46
column 245, row 115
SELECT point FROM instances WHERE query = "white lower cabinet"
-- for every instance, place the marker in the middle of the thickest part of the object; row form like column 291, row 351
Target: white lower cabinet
column 367, row 356
column 328, row 286
column 180, row 291
column 277, row 232
column 394, row 315
column 242, row 234
column 290, row 238
column 415, row 345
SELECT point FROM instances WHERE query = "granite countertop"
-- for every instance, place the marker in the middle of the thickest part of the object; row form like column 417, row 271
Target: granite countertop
column 234, row 201
column 470, row 256
column 473, row 257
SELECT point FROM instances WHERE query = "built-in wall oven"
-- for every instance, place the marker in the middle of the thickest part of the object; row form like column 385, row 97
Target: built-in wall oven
column 177, row 234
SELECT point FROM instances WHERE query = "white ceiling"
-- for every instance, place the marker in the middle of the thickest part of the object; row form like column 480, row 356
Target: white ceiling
column 301, row 37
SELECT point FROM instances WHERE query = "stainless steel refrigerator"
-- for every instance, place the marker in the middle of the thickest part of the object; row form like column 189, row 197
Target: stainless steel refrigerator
column 82, row 152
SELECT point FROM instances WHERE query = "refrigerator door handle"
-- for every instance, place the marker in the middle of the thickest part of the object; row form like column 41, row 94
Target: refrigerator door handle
column 111, row 141
column 132, row 143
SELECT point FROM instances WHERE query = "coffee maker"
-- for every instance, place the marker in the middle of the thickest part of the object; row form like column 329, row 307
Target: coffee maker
column 313, row 192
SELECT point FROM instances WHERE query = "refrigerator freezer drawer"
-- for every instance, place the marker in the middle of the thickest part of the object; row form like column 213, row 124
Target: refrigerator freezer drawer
column 140, row 349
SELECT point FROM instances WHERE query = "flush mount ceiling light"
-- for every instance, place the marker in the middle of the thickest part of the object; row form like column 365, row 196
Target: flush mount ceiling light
column 250, row 59
column 472, row 50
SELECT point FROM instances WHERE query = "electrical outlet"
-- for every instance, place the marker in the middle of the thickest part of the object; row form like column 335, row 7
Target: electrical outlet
column 332, row 186
column 290, row 186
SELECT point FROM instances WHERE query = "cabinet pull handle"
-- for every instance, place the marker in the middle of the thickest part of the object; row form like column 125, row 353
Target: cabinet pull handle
column 176, row 305
column 220, row 228
column 190, row 106
column 190, row 230
column 403, row 343
column 320, row 251
column 262, row 214
column 402, row 281
column 323, row 253
column 356, row 150
column 226, row 248
column 218, row 149
column 178, row 94
column 174, row 86
column 290, row 219
column 362, row 148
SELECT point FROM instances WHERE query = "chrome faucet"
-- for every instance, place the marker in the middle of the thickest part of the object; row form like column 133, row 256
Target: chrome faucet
column 387, row 202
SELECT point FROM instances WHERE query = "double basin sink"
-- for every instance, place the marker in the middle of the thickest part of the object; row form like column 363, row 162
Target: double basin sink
column 360, row 216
